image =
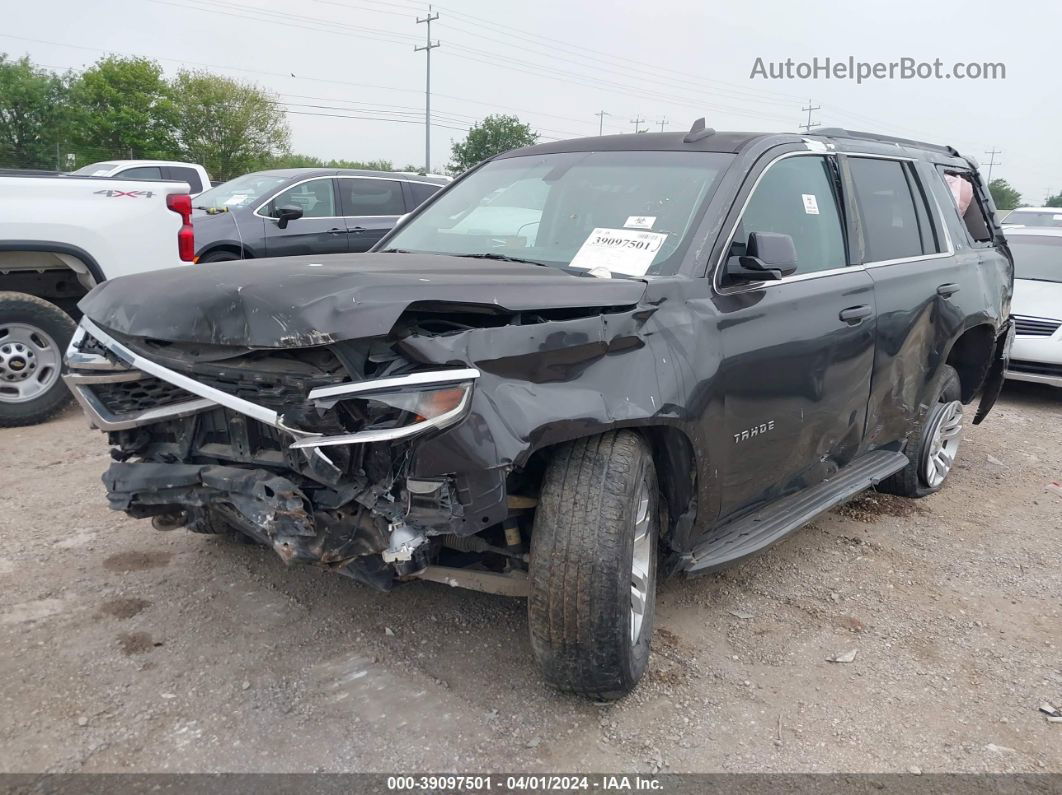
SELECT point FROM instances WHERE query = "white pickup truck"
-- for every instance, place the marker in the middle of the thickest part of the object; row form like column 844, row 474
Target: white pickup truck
column 59, row 237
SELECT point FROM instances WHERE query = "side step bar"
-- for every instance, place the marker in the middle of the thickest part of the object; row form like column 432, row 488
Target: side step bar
column 757, row 531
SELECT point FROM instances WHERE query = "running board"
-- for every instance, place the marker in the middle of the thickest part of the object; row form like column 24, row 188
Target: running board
column 757, row 531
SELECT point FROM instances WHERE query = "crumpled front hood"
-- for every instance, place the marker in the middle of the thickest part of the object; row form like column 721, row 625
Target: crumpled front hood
column 295, row 302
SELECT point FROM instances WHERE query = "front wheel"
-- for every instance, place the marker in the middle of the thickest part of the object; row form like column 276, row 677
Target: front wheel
column 33, row 337
column 593, row 565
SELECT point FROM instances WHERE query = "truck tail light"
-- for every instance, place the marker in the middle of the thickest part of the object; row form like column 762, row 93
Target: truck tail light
column 181, row 203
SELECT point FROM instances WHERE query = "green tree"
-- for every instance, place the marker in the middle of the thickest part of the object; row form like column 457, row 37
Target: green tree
column 229, row 126
column 1004, row 196
column 1054, row 201
column 492, row 136
column 32, row 102
column 122, row 108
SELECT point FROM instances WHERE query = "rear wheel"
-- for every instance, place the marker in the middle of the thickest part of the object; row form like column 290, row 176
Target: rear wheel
column 220, row 256
column 593, row 565
column 33, row 337
column 938, row 439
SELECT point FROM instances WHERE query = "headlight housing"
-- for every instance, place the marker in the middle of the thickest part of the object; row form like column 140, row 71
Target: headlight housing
column 426, row 401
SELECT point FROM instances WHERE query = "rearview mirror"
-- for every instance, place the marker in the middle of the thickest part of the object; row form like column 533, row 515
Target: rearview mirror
column 768, row 255
column 288, row 212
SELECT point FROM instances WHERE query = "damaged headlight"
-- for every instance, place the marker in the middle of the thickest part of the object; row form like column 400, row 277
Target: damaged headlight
column 424, row 401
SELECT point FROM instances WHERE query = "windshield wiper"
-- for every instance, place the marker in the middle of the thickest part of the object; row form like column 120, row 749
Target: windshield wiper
column 500, row 258
column 393, row 251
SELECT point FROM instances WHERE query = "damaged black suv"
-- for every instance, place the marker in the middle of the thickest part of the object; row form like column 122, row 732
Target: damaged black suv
column 581, row 365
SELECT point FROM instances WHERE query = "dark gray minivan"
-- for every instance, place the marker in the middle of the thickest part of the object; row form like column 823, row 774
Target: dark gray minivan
column 290, row 211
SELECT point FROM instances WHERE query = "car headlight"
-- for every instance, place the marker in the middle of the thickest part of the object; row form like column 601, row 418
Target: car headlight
column 396, row 408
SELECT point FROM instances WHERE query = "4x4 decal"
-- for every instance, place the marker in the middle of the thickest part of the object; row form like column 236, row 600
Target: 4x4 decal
column 132, row 194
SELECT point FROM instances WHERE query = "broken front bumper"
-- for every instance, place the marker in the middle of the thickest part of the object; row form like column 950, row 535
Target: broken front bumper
column 193, row 453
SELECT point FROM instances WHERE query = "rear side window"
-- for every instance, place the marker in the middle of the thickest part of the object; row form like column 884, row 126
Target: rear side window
column 140, row 172
column 796, row 197
column 973, row 215
column 371, row 197
column 189, row 175
column 895, row 225
column 421, row 192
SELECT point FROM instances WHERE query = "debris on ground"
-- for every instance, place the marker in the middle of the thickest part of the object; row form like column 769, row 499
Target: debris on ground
column 1053, row 713
column 741, row 614
column 846, row 657
column 1054, row 487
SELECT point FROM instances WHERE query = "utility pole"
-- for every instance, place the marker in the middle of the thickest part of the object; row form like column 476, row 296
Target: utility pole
column 428, row 47
column 992, row 160
column 636, row 121
column 807, row 127
column 662, row 122
column 601, row 114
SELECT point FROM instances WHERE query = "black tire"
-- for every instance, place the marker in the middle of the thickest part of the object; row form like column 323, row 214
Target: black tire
column 220, row 256
column 28, row 310
column 582, row 546
column 909, row 481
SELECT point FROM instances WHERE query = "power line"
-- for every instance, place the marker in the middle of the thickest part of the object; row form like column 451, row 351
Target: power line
column 637, row 121
column 662, row 122
column 427, row 48
column 807, row 127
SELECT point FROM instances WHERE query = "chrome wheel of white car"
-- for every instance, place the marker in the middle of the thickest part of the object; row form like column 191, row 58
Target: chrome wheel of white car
column 29, row 362
column 945, row 437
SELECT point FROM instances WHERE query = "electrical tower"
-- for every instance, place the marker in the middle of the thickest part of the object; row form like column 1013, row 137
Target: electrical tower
column 637, row 121
column 662, row 122
column 992, row 160
column 427, row 48
column 810, row 108
column 601, row 114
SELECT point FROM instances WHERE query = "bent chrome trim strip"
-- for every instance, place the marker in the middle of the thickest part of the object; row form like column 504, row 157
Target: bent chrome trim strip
column 260, row 413
column 398, row 382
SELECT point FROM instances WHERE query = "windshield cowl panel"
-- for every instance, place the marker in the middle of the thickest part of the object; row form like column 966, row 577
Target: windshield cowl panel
column 631, row 213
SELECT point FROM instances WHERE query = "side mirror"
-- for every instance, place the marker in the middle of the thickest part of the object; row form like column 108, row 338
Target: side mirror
column 288, row 212
column 768, row 255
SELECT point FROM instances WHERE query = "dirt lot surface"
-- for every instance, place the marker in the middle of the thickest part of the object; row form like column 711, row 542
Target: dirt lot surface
column 127, row 649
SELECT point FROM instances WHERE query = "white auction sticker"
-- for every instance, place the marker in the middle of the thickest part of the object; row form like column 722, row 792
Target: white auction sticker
column 640, row 222
column 811, row 204
column 625, row 251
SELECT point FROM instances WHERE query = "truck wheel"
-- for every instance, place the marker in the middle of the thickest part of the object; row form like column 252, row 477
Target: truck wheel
column 220, row 256
column 935, row 443
column 593, row 565
column 33, row 338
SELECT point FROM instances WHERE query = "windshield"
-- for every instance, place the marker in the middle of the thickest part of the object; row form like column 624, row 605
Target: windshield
column 1026, row 218
column 628, row 212
column 1037, row 258
column 239, row 192
column 95, row 170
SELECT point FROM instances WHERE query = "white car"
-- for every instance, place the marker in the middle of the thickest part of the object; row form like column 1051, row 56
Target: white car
column 192, row 173
column 1037, row 217
column 1037, row 307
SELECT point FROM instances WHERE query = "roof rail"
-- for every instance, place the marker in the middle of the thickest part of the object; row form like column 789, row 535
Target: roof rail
column 698, row 132
column 841, row 132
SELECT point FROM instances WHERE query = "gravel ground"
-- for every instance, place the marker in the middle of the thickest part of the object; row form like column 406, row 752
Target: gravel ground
column 127, row 649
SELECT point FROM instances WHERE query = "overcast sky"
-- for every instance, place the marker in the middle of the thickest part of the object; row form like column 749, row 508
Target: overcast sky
column 555, row 63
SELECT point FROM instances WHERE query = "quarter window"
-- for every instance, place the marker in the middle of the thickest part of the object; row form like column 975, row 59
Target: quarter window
column 372, row 197
column 314, row 198
column 797, row 197
column 891, row 227
column 141, row 172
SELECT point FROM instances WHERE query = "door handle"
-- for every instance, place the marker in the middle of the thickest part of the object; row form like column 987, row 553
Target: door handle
column 336, row 231
column 947, row 290
column 854, row 315
column 356, row 229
